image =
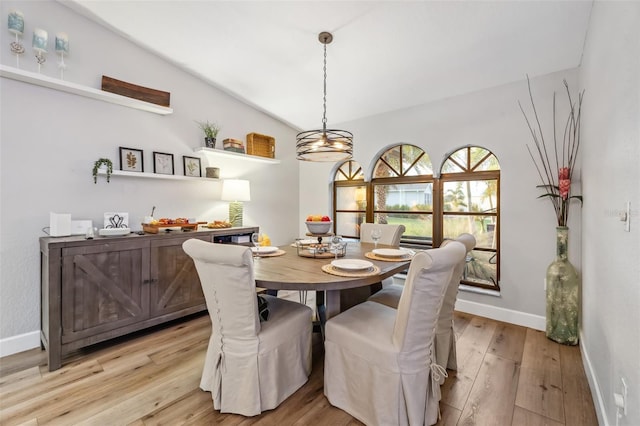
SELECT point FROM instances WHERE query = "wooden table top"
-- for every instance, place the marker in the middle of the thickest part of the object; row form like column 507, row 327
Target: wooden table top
column 293, row 272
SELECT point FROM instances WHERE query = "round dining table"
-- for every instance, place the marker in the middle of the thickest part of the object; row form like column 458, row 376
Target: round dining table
column 289, row 271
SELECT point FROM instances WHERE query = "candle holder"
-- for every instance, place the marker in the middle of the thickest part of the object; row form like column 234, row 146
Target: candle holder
column 16, row 27
column 40, row 39
column 62, row 48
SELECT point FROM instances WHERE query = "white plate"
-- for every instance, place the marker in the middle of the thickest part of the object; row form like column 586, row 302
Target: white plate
column 112, row 232
column 390, row 252
column 351, row 264
column 264, row 250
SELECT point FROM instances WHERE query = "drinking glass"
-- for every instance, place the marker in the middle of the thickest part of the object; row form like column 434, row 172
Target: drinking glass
column 376, row 233
column 256, row 239
column 336, row 246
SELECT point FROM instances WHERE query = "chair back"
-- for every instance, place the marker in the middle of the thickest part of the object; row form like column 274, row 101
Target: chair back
column 419, row 306
column 391, row 234
column 227, row 279
column 446, row 315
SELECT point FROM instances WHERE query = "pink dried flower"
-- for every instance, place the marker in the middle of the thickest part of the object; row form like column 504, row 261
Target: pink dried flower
column 565, row 186
column 563, row 173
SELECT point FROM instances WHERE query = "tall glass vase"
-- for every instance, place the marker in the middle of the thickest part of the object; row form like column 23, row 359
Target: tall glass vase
column 562, row 294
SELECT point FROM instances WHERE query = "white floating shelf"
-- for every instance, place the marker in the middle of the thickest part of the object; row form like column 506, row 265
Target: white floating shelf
column 153, row 176
column 76, row 89
column 235, row 155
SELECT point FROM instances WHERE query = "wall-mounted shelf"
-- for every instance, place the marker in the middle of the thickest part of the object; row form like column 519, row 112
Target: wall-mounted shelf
column 76, row 89
column 219, row 153
column 123, row 173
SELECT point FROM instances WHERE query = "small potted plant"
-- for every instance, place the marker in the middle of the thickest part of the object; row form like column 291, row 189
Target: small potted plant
column 210, row 130
column 98, row 164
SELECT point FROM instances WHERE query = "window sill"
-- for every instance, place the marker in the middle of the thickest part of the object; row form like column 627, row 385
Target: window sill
column 477, row 290
column 462, row 287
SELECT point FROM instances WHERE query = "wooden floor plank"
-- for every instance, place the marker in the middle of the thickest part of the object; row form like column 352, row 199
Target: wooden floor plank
column 578, row 401
column 449, row 416
column 152, row 378
column 540, row 384
column 497, row 376
column 522, row 417
column 508, row 341
column 471, row 348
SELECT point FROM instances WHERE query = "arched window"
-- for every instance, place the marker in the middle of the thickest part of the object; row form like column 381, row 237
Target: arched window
column 349, row 199
column 402, row 192
column 470, row 188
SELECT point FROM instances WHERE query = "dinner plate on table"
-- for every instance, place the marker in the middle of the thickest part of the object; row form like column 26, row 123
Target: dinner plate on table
column 387, row 252
column 351, row 264
column 264, row 250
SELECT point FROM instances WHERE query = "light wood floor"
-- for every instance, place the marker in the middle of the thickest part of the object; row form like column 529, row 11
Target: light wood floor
column 508, row 375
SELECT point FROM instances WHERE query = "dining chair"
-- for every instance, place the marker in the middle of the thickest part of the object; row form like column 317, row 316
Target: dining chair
column 391, row 235
column 379, row 361
column 445, row 340
column 250, row 366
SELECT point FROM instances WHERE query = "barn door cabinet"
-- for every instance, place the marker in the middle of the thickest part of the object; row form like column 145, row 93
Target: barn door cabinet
column 95, row 290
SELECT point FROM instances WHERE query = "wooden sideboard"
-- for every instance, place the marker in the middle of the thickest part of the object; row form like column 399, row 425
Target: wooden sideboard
column 95, row 290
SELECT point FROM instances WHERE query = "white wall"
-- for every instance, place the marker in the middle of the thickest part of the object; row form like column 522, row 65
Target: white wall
column 491, row 119
column 49, row 141
column 610, row 75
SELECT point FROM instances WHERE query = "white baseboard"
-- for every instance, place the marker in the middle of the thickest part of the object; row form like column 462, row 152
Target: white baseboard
column 20, row 343
column 536, row 322
column 598, row 402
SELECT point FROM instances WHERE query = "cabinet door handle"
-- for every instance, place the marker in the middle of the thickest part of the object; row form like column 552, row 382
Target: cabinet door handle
column 146, row 281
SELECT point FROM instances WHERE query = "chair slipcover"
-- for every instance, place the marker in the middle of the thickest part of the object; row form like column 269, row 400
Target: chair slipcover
column 445, row 342
column 379, row 362
column 391, row 235
column 249, row 366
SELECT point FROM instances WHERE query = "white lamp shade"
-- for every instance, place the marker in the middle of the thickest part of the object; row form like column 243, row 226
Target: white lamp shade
column 235, row 190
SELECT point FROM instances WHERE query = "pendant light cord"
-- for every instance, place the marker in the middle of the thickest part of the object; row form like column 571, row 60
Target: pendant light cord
column 324, row 99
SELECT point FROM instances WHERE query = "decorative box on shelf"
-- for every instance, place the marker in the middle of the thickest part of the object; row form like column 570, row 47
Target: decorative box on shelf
column 134, row 91
column 233, row 145
column 261, row 145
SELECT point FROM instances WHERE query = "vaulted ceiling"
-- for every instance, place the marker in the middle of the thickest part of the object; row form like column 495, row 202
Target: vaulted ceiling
column 386, row 55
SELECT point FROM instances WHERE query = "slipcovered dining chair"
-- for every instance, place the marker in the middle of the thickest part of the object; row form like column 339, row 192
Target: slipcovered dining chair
column 445, row 340
column 379, row 361
column 391, row 235
column 250, row 366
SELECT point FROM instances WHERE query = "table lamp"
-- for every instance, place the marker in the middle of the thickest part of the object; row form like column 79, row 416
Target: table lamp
column 236, row 191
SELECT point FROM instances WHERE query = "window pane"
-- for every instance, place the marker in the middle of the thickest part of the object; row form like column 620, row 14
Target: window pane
column 481, row 267
column 470, row 196
column 401, row 197
column 451, row 167
column 350, row 170
column 480, row 226
column 351, row 198
column 489, row 163
column 348, row 224
column 421, row 167
column 418, row 226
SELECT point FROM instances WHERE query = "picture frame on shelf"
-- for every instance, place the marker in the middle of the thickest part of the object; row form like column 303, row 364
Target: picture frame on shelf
column 192, row 166
column 131, row 160
column 163, row 163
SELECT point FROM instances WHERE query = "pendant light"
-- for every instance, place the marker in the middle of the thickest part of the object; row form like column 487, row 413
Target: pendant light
column 324, row 144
